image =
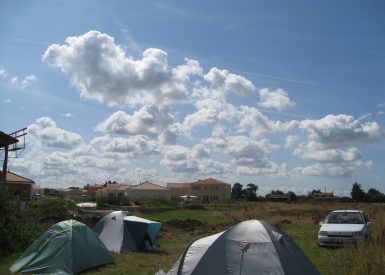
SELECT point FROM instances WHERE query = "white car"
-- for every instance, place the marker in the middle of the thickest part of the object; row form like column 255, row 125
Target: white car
column 343, row 227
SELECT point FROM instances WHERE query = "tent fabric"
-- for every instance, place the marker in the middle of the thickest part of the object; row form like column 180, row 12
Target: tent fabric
column 250, row 247
column 122, row 232
column 67, row 247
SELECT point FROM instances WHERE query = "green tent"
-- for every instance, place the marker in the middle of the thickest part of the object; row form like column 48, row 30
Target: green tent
column 68, row 247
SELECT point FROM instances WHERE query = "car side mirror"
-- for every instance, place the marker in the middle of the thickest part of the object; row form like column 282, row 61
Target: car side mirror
column 321, row 223
column 368, row 223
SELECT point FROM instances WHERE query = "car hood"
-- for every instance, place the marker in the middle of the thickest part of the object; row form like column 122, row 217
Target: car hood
column 342, row 227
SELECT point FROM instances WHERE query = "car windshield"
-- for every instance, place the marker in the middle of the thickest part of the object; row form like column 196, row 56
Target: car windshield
column 345, row 218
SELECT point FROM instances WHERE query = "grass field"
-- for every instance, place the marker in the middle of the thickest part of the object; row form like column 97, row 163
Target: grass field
column 300, row 221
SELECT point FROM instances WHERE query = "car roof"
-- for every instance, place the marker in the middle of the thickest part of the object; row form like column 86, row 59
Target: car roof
column 355, row 211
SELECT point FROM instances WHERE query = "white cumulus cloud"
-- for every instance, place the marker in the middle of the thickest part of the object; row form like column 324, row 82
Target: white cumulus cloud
column 45, row 132
column 100, row 70
column 276, row 99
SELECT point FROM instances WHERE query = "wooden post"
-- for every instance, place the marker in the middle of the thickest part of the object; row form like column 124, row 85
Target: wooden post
column 5, row 167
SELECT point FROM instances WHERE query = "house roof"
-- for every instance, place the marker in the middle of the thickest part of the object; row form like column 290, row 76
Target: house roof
column 94, row 186
column 123, row 187
column 178, row 185
column 148, row 186
column 71, row 191
column 114, row 186
column 14, row 178
column 210, row 181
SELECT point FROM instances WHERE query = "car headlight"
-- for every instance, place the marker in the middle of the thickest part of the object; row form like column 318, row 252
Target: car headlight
column 357, row 234
column 323, row 233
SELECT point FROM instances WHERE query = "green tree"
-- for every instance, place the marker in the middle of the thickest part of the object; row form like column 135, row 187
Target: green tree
column 373, row 195
column 53, row 210
column 292, row 196
column 251, row 192
column 17, row 230
column 357, row 193
column 277, row 192
column 236, row 191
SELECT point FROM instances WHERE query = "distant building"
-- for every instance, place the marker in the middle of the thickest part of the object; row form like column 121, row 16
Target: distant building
column 143, row 190
column 21, row 187
column 74, row 194
column 207, row 190
column 323, row 196
column 113, row 190
column 92, row 190
column 278, row 197
column 179, row 189
column 37, row 192
column 148, row 190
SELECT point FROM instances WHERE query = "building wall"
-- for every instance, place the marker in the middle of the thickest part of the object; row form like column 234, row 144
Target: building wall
column 180, row 191
column 211, row 192
column 147, row 193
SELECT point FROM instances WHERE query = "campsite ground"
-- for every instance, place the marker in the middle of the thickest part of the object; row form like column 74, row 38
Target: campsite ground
column 300, row 221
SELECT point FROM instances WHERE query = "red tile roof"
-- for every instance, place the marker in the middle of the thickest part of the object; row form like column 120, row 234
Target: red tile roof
column 209, row 181
column 149, row 186
column 17, row 179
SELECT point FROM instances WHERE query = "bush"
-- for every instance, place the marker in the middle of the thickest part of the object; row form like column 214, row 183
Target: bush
column 49, row 211
column 17, row 231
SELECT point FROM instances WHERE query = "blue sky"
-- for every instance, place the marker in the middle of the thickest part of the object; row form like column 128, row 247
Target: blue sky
column 285, row 95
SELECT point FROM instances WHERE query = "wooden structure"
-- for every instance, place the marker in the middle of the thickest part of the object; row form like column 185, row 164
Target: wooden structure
column 10, row 143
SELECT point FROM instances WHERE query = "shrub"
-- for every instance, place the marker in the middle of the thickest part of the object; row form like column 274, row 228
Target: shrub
column 17, row 231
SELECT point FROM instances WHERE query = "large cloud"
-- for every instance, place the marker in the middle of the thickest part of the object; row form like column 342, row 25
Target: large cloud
column 248, row 156
column 247, row 119
column 330, row 145
column 180, row 159
column 252, row 119
column 210, row 111
column 223, row 82
column 150, row 121
column 334, row 131
column 100, row 70
column 276, row 99
column 45, row 132
column 131, row 147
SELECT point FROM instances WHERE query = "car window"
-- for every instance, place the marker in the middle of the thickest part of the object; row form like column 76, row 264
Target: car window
column 365, row 217
column 345, row 218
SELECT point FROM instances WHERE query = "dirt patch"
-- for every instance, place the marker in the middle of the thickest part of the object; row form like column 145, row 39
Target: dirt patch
column 186, row 225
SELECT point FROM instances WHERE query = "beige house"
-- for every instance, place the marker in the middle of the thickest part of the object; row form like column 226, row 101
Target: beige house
column 75, row 194
column 142, row 190
column 179, row 189
column 93, row 189
column 207, row 190
column 148, row 190
column 113, row 190
column 21, row 187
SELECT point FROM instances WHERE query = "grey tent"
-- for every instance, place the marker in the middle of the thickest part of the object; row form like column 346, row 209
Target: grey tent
column 67, row 247
column 122, row 232
column 250, row 247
